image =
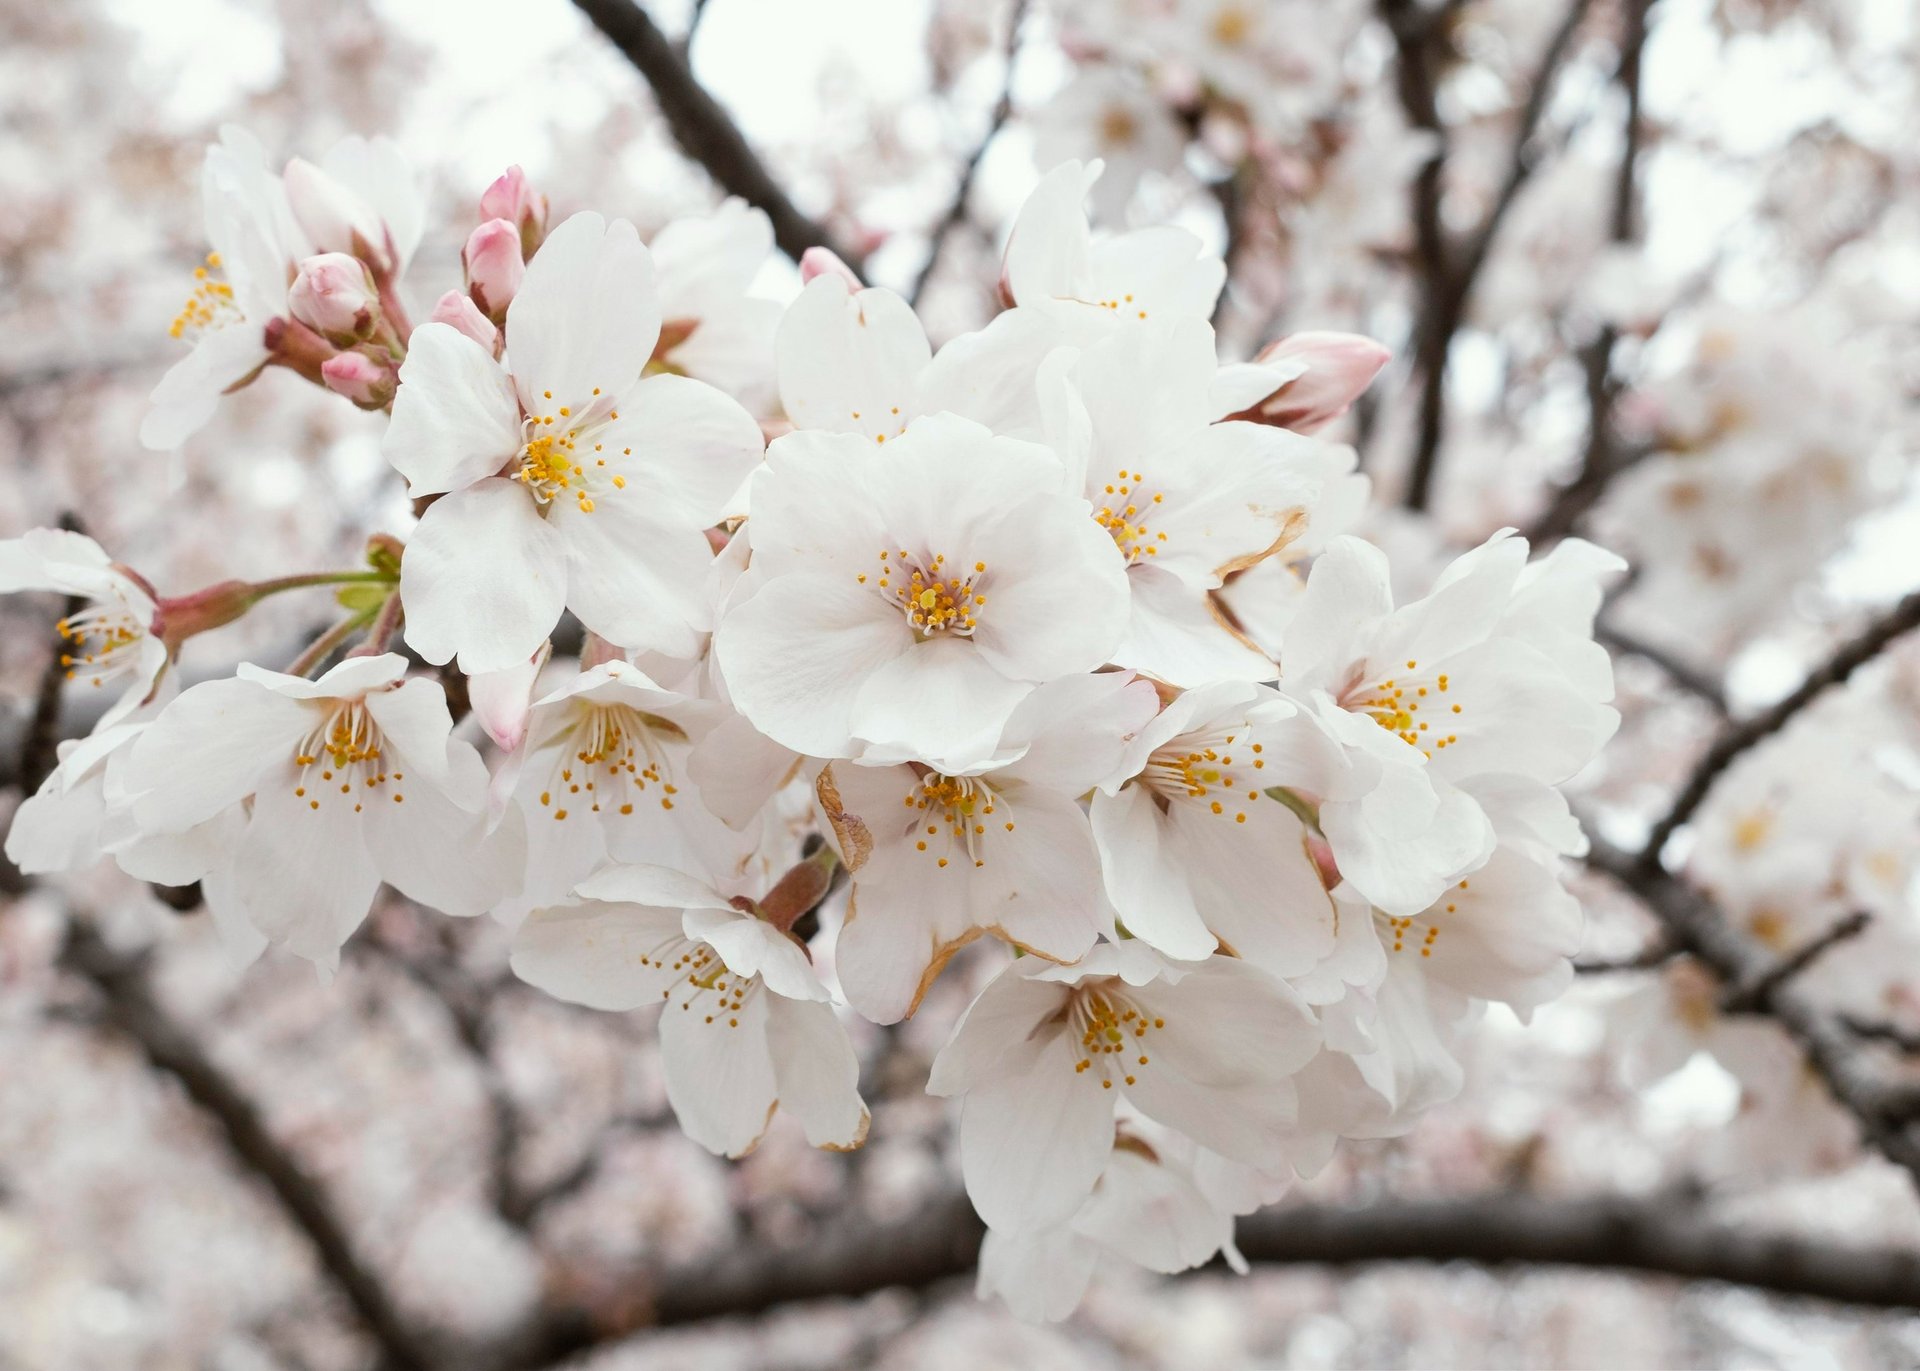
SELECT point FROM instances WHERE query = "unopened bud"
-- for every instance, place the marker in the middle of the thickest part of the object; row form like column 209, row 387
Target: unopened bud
column 495, row 267
column 334, row 295
column 457, row 311
column 1339, row 367
column 335, row 218
column 512, row 199
column 368, row 382
column 826, row 262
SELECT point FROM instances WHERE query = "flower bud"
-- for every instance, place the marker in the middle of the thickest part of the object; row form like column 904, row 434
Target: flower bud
column 334, row 295
column 457, row 311
column 495, row 267
column 512, row 199
column 825, row 262
column 363, row 379
column 1339, row 367
column 503, row 700
column 336, row 219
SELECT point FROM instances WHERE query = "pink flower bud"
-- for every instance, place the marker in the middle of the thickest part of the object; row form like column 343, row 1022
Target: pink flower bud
column 503, row 700
column 495, row 267
column 1339, row 367
column 825, row 262
column 334, row 295
column 336, row 219
column 512, row 199
column 368, row 383
column 457, row 311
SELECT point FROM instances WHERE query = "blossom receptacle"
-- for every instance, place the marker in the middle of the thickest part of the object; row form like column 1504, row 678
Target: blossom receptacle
column 457, row 311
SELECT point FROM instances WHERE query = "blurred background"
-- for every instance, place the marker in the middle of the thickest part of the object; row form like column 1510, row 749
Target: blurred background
column 1650, row 271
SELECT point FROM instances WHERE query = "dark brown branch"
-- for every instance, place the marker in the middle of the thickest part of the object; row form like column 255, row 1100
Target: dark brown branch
column 1654, row 955
column 1654, row 1235
column 956, row 214
column 1448, row 273
column 130, row 1006
column 1897, row 1036
column 1754, row 997
column 704, row 130
column 1903, row 618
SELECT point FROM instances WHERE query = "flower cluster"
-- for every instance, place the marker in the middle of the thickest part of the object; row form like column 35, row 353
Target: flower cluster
column 1050, row 639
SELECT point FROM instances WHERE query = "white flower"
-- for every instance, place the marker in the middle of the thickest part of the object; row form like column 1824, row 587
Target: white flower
column 1055, row 264
column 746, row 1025
column 1486, row 681
column 1045, row 1054
column 352, row 780
column 938, row 859
column 114, row 639
column 1196, row 853
column 910, row 594
column 604, row 775
column 1146, row 1208
column 712, row 329
column 566, row 480
column 1187, row 500
column 1112, row 112
column 362, row 200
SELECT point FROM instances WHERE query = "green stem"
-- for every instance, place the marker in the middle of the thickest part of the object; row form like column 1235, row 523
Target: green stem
column 384, row 623
column 261, row 589
column 323, row 647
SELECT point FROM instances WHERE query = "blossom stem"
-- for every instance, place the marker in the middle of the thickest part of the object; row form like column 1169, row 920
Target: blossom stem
column 261, row 589
column 323, row 647
column 385, row 622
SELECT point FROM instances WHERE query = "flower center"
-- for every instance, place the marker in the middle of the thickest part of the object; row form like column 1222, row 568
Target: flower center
column 1400, row 935
column 611, row 755
column 1125, row 515
column 102, row 642
column 210, row 306
column 1200, row 769
column 934, row 599
column 701, row 978
column 961, row 806
column 1107, row 1031
column 1395, row 704
column 345, row 751
column 562, row 458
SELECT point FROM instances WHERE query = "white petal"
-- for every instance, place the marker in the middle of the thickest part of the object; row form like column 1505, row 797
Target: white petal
column 190, row 391
column 207, row 750
column 940, row 700
column 719, row 1074
column 995, row 1033
column 1149, row 890
column 816, row 1071
column 1034, row 1138
column 455, row 417
column 303, row 875
column 695, row 448
column 441, row 855
column 634, row 579
column 585, row 316
column 601, row 954
column 752, row 947
column 850, row 361
column 484, row 578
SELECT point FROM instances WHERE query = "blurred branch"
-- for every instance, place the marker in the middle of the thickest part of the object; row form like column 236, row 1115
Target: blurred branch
column 703, row 128
column 1880, row 1105
column 1653, row 1235
column 1605, row 457
column 963, row 189
column 1687, row 677
column 1656, row 953
column 1448, row 271
column 132, row 1008
column 1753, row 997
column 1903, row 618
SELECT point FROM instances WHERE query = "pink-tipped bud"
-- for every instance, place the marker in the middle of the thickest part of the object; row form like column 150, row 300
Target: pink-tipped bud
column 495, row 267
column 457, row 311
column 512, row 199
column 503, row 700
column 1339, row 366
column 826, row 262
column 336, row 219
column 368, row 382
column 334, row 295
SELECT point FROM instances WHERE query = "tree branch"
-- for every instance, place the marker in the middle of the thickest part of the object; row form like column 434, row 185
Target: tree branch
column 132, row 1008
column 1903, row 618
column 963, row 189
column 704, row 130
column 1687, row 677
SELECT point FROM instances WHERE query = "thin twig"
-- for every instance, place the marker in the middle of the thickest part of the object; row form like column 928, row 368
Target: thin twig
column 1903, row 618
column 704, row 130
column 963, row 188
column 1654, row 955
column 1754, row 996
column 1682, row 674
